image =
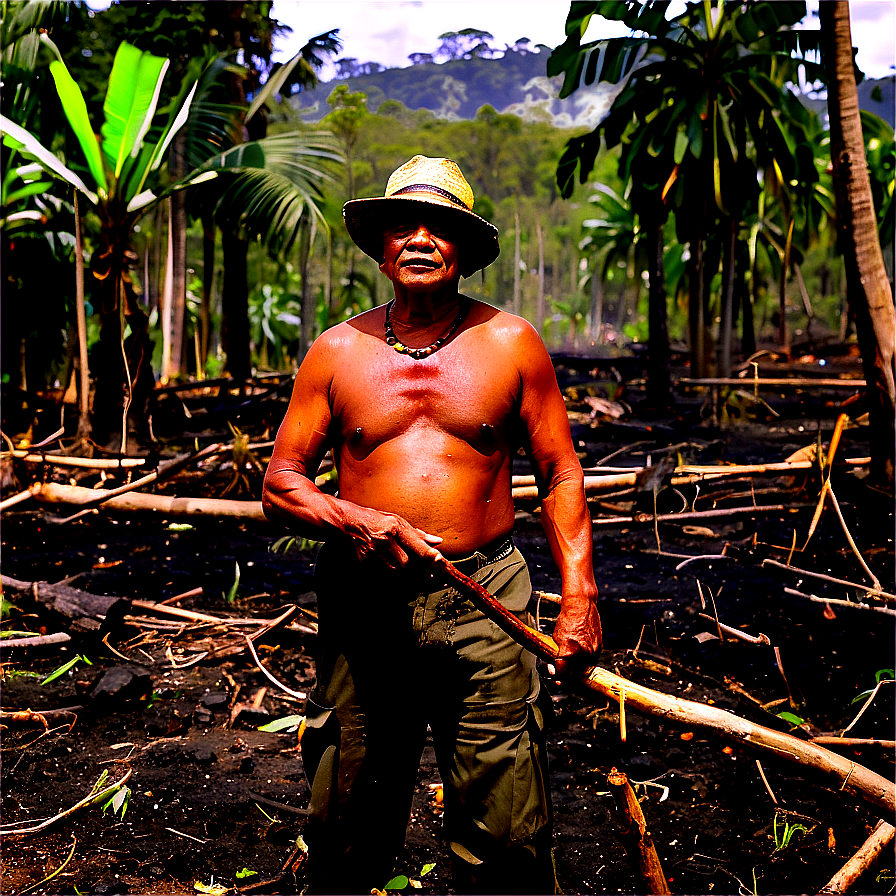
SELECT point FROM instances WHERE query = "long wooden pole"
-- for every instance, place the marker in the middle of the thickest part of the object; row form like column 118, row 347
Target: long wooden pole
column 850, row 777
column 881, row 837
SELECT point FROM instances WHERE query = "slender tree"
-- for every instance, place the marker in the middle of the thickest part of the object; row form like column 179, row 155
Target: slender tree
column 868, row 289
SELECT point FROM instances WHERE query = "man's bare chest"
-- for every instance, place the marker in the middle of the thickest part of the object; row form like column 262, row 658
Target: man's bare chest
column 387, row 395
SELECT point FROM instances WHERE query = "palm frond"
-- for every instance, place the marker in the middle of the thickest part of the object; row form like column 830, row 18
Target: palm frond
column 259, row 203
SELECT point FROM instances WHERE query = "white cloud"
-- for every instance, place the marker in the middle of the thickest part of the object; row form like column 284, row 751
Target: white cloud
column 387, row 31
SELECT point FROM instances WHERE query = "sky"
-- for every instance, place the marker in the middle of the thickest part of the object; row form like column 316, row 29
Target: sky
column 387, row 31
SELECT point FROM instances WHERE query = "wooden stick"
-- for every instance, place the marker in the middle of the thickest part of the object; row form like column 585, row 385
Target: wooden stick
column 870, row 850
column 856, row 780
column 193, row 616
column 800, row 382
column 63, row 460
column 868, row 589
column 617, row 477
column 853, row 742
column 37, row 641
column 635, row 837
column 641, row 519
column 29, row 492
column 737, row 633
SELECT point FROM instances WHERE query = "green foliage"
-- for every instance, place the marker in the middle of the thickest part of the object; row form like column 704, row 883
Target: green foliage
column 879, row 676
column 791, row 718
column 786, row 832
column 283, row 724
column 292, row 544
column 119, row 802
column 230, row 596
column 65, row 667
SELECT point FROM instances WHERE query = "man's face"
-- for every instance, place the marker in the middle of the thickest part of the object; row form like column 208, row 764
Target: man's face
column 420, row 252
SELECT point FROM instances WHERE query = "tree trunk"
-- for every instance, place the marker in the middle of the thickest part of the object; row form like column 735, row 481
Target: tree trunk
column 174, row 304
column 726, row 327
column 696, row 328
column 208, row 287
column 307, row 295
column 659, row 383
column 516, row 258
column 84, row 427
column 596, row 312
column 539, row 308
column 235, row 306
column 868, row 289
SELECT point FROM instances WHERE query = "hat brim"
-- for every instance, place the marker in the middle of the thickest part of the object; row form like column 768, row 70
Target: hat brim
column 367, row 219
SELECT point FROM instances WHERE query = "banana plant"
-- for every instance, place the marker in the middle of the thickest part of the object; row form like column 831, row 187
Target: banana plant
column 124, row 175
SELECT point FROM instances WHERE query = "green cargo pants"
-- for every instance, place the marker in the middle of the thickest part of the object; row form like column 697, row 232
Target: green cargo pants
column 398, row 653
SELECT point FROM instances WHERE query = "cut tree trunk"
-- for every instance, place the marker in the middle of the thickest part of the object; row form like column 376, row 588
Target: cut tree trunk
column 635, row 837
column 88, row 612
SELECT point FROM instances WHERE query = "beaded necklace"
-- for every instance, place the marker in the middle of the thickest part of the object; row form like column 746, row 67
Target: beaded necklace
column 418, row 354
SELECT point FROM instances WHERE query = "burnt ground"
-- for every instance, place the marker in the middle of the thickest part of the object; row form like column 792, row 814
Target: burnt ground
column 213, row 796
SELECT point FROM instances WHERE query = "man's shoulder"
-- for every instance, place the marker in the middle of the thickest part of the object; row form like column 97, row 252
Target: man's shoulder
column 345, row 334
column 499, row 321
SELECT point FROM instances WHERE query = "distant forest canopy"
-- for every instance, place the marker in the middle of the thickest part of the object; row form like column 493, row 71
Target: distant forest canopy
column 466, row 72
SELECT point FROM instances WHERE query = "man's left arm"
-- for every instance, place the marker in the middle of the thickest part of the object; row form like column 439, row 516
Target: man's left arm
column 564, row 513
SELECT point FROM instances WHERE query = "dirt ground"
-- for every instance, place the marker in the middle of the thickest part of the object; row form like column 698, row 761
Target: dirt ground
column 216, row 802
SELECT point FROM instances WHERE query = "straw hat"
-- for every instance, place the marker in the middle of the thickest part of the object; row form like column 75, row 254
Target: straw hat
column 438, row 183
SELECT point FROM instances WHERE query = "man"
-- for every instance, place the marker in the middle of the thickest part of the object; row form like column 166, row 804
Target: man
column 424, row 403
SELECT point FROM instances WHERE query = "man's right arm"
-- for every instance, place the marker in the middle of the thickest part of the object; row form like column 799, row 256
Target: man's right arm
column 290, row 496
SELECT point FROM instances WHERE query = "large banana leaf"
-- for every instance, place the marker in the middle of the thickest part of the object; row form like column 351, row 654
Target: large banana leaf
column 130, row 103
column 31, row 148
column 76, row 112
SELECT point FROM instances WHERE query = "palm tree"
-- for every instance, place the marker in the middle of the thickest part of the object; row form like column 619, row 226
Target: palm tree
column 701, row 107
column 125, row 170
column 868, row 289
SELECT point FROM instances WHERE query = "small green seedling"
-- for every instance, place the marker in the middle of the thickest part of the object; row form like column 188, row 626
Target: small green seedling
column 246, row 872
column 785, row 834
column 230, row 597
column 65, row 667
column 879, row 676
column 791, row 718
column 119, row 801
column 402, row 881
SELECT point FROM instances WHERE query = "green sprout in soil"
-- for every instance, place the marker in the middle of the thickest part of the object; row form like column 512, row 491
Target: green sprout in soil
column 402, row 881
column 785, row 834
column 879, row 676
column 230, row 597
column 65, row 667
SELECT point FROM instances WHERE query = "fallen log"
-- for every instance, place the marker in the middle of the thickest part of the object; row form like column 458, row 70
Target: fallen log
column 870, row 850
column 854, row 779
column 63, row 460
column 160, row 505
column 36, row 641
column 635, row 837
column 88, row 612
column 525, row 486
column 776, row 382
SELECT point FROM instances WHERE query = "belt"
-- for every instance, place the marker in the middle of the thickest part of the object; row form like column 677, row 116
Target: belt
column 491, row 553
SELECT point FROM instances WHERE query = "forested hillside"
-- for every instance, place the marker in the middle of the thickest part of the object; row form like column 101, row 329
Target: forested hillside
column 515, row 82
